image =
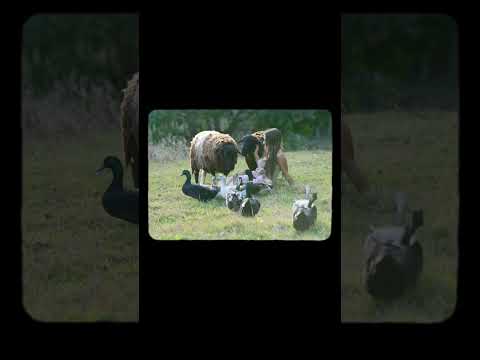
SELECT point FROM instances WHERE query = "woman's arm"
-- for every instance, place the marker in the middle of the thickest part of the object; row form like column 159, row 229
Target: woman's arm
column 256, row 153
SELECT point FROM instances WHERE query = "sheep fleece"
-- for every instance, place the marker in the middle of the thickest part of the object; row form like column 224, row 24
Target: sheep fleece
column 129, row 121
column 203, row 151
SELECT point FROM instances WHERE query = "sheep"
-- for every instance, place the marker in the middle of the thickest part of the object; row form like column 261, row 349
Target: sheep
column 212, row 152
column 349, row 165
column 270, row 146
column 129, row 118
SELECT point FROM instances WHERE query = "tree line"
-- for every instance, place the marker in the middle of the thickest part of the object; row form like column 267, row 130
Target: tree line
column 299, row 127
column 95, row 48
column 399, row 61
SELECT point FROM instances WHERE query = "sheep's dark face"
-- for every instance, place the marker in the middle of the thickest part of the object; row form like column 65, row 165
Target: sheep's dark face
column 228, row 156
column 248, row 145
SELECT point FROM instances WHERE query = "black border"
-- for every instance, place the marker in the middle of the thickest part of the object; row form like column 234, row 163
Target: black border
column 466, row 248
column 261, row 267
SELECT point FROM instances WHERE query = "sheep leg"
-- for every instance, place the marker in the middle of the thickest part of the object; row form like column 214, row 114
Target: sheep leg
column 355, row 175
column 195, row 173
column 135, row 170
column 202, row 177
column 349, row 165
column 135, row 173
column 347, row 142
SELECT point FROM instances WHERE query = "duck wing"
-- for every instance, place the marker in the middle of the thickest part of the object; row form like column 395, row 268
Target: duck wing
column 300, row 204
column 208, row 193
column 122, row 205
column 202, row 193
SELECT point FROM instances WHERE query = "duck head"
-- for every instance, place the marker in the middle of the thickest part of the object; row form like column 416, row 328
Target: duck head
column 113, row 163
column 187, row 174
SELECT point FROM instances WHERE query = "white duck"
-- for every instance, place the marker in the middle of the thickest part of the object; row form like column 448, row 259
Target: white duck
column 224, row 187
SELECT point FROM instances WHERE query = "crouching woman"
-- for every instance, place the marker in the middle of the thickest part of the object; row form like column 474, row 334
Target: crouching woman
column 267, row 145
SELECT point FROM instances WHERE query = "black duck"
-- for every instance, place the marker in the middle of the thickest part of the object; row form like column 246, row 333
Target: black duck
column 393, row 256
column 199, row 192
column 117, row 201
column 304, row 212
column 249, row 207
column 233, row 200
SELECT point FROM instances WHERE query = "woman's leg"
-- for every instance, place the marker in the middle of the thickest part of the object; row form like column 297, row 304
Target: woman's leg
column 283, row 165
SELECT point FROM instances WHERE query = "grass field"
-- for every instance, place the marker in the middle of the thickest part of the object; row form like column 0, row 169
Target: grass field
column 416, row 153
column 79, row 264
column 174, row 216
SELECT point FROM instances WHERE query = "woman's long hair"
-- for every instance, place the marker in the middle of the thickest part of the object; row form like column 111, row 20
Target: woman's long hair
column 273, row 142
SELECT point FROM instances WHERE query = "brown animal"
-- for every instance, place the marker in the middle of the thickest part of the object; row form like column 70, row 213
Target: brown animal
column 349, row 165
column 269, row 142
column 129, row 118
column 212, row 152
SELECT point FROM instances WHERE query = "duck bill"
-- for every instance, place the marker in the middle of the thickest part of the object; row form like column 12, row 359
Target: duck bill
column 99, row 171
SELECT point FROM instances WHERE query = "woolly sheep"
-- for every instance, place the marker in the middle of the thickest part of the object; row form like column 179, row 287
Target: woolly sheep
column 212, row 152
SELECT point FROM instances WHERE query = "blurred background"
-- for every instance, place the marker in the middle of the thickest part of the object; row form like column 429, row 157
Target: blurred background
column 400, row 98
column 74, row 67
column 79, row 264
column 404, row 62
column 301, row 129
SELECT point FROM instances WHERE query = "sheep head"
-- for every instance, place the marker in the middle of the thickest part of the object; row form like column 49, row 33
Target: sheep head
column 227, row 157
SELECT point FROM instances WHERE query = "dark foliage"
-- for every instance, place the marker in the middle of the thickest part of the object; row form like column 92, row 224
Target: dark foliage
column 399, row 61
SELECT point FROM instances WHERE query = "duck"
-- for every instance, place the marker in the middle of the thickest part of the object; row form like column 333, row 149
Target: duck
column 233, row 200
column 249, row 207
column 304, row 213
column 258, row 188
column 242, row 179
column 118, row 202
column 414, row 256
column 199, row 192
column 240, row 199
column 224, row 188
column 394, row 256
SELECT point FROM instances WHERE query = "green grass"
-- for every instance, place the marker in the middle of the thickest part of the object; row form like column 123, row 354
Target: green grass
column 79, row 264
column 174, row 216
column 419, row 155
